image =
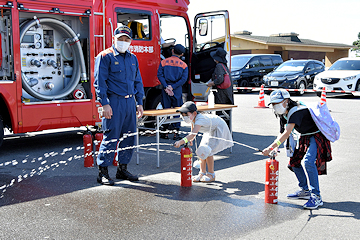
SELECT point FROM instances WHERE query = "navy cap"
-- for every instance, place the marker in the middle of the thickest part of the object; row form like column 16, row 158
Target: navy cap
column 189, row 106
column 179, row 49
column 278, row 96
column 123, row 31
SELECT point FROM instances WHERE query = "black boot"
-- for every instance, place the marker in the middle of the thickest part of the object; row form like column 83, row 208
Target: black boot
column 177, row 135
column 122, row 173
column 104, row 177
column 163, row 135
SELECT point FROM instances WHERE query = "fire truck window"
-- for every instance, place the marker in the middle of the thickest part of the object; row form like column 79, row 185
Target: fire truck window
column 174, row 28
column 138, row 23
column 215, row 34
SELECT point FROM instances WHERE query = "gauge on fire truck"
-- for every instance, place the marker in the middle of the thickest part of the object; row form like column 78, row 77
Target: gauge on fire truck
column 42, row 43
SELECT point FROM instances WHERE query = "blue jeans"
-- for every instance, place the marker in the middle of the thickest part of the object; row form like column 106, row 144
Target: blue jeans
column 311, row 169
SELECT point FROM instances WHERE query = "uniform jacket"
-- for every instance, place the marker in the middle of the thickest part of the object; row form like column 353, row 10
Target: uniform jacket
column 173, row 71
column 119, row 74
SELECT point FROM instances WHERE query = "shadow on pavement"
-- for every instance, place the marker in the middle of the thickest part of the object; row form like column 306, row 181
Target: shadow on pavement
column 352, row 208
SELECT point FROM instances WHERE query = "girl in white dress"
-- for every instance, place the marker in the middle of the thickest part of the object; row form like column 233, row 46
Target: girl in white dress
column 216, row 137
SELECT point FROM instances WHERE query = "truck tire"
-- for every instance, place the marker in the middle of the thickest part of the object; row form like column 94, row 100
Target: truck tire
column 1, row 131
column 153, row 103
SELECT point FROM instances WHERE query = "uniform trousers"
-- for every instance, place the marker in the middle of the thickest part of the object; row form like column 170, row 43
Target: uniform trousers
column 119, row 131
column 172, row 101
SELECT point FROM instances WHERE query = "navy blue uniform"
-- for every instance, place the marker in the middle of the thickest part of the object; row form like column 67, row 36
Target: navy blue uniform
column 172, row 71
column 118, row 83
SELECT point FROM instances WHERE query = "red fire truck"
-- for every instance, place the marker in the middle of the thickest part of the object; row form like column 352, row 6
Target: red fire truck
column 48, row 48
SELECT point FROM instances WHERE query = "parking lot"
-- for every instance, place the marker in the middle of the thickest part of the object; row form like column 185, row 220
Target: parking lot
column 48, row 194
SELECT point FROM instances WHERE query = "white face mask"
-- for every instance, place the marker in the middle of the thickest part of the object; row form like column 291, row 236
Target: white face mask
column 122, row 46
column 186, row 119
column 279, row 109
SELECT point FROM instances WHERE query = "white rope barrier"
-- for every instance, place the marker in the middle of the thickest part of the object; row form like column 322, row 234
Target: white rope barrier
column 43, row 160
column 295, row 90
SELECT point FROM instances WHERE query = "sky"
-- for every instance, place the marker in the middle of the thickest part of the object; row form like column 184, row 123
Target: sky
column 331, row 21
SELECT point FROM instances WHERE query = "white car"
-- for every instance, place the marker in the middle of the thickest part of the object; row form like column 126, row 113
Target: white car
column 343, row 75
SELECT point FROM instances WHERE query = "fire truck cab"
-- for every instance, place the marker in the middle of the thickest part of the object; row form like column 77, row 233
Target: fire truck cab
column 48, row 48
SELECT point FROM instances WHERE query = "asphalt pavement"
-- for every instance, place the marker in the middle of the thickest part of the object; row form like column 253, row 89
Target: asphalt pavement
column 47, row 193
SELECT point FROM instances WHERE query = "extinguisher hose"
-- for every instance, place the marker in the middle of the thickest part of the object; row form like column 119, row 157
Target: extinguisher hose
column 244, row 145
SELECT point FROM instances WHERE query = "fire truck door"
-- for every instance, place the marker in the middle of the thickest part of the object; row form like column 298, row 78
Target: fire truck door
column 144, row 44
column 211, row 31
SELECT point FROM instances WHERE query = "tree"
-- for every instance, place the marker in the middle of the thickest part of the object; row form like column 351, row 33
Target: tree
column 356, row 45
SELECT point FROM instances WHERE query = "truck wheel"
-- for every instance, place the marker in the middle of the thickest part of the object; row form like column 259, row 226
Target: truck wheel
column 1, row 131
column 243, row 83
column 154, row 103
column 301, row 87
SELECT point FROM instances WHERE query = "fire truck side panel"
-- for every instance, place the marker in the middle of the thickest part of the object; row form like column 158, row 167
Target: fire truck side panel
column 56, row 115
column 36, row 117
column 63, row 5
column 8, row 99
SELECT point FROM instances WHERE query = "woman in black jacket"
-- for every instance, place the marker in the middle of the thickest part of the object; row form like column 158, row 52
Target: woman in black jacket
column 222, row 96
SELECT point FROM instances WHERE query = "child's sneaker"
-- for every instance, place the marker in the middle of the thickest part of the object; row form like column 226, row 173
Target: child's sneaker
column 300, row 194
column 314, row 202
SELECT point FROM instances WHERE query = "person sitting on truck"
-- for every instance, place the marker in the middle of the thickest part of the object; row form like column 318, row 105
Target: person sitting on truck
column 119, row 88
column 137, row 30
column 172, row 73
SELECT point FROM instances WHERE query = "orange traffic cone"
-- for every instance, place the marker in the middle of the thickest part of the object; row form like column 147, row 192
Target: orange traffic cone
column 323, row 97
column 261, row 102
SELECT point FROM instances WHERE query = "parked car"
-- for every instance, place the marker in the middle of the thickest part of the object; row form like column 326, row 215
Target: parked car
column 249, row 69
column 343, row 75
column 294, row 74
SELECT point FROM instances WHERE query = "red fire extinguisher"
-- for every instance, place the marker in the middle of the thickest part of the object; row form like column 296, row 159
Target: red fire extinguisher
column 186, row 166
column 271, row 180
column 98, row 138
column 115, row 163
column 88, row 149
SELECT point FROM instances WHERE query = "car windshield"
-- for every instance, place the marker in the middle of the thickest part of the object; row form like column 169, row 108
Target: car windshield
column 291, row 67
column 239, row 62
column 346, row 65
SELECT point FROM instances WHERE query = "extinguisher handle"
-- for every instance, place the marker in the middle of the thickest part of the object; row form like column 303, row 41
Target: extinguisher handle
column 272, row 155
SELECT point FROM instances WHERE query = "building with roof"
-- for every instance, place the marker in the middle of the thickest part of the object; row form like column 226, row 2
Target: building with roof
column 289, row 46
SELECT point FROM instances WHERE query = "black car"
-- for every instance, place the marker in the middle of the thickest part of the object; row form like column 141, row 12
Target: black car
column 249, row 69
column 294, row 74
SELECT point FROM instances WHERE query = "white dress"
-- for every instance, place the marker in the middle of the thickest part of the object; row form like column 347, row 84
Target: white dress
column 216, row 132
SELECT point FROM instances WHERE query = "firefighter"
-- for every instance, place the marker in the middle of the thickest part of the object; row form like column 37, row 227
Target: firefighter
column 173, row 73
column 120, row 91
